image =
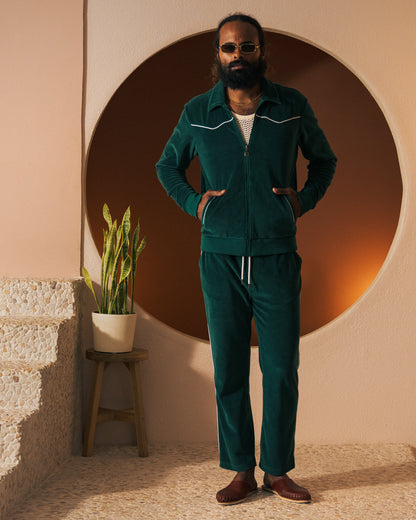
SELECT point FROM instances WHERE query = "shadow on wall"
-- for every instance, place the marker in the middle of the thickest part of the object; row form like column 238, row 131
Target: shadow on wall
column 343, row 242
column 176, row 390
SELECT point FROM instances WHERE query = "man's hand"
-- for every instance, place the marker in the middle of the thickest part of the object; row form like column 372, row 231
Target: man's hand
column 293, row 197
column 205, row 198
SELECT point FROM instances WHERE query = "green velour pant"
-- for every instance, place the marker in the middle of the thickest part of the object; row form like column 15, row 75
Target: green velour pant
column 235, row 290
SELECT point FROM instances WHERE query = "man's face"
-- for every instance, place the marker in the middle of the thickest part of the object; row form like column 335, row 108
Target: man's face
column 240, row 70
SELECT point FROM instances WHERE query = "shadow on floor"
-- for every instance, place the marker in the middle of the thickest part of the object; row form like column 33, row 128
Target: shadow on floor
column 363, row 477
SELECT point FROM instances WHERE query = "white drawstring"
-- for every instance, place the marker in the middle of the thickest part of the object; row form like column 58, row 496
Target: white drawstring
column 248, row 270
column 242, row 270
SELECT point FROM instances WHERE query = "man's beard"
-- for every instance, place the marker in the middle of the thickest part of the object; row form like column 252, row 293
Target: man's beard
column 247, row 77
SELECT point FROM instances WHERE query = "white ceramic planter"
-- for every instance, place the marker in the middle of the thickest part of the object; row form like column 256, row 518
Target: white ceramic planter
column 113, row 332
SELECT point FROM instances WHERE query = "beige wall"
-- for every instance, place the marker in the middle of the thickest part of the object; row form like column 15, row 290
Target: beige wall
column 357, row 381
column 41, row 64
column 357, row 372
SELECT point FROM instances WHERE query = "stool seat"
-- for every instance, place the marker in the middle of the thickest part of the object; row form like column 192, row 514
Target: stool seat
column 137, row 354
column 134, row 415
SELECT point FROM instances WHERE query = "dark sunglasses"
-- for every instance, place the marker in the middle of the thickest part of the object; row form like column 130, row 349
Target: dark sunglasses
column 245, row 47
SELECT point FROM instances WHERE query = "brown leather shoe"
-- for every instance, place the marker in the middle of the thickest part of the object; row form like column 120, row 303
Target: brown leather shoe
column 234, row 493
column 285, row 488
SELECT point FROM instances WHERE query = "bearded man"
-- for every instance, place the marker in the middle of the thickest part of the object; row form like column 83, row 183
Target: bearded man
column 246, row 132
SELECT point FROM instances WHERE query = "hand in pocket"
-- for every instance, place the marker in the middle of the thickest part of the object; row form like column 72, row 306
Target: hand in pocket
column 205, row 198
column 292, row 195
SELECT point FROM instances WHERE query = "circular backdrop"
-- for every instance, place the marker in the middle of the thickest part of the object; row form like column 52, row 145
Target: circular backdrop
column 343, row 242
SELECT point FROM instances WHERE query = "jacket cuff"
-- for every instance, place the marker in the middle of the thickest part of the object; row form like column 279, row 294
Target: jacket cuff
column 192, row 203
column 304, row 201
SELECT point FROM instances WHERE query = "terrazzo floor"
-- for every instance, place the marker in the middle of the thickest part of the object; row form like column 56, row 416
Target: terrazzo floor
column 354, row 482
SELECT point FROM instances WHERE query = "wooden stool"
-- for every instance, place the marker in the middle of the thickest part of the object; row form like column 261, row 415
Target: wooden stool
column 133, row 415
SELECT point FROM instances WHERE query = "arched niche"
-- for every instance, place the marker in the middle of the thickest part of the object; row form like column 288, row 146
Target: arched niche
column 343, row 242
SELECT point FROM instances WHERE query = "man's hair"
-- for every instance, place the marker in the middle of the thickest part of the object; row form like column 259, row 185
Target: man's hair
column 239, row 17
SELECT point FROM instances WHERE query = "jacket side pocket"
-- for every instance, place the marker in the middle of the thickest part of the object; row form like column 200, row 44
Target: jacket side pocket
column 292, row 211
column 204, row 211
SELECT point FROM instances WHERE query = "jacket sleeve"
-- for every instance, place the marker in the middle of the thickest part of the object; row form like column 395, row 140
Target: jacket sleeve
column 322, row 161
column 171, row 168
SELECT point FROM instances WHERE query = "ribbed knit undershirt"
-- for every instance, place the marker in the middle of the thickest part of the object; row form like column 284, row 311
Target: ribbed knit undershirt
column 246, row 124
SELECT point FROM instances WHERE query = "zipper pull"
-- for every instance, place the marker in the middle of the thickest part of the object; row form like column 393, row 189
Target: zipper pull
column 246, row 154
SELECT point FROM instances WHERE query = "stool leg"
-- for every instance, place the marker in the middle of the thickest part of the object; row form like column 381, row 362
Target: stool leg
column 136, row 386
column 93, row 408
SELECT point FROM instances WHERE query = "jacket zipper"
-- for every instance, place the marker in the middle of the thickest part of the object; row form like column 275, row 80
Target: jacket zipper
column 246, row 193
column 247, row 155
column 247, row 175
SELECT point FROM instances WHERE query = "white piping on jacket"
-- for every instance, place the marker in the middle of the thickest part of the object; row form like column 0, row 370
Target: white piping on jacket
column 229, row 121
column 215, row 127
column 279, row 122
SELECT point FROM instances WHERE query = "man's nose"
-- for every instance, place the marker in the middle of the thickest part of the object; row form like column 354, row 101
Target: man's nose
column 237, row 53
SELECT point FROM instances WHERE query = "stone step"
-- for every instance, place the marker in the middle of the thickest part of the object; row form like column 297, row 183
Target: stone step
column 10, row 437
column 27, row 297
column 28, row 339
column 40, row 422
column 20, row 386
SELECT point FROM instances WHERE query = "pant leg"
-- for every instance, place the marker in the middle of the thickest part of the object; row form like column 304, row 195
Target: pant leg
column 276, row 305
column 229, row 315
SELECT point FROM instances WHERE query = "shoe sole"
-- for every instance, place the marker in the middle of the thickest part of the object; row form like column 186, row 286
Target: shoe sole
column 270, row 490
column 238, row 501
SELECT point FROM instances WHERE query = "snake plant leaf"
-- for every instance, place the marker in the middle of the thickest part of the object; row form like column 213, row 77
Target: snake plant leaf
column 120, row 301
column 114, row 288
column 108, row 259
column 119, row 297
column 107, row 216
column 119, row 236
column 126, row 221
column 105, row 233
column 141, row 246
column 135, row 254
column 125, row 224
column 136, row 234
column 125, row 271
column 88, row 281
column 125, row 268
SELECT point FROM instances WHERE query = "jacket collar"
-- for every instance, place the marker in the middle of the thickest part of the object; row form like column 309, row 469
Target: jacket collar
column 269, row 93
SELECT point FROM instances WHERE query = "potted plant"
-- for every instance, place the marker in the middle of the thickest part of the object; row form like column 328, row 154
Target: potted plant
column 114, row 321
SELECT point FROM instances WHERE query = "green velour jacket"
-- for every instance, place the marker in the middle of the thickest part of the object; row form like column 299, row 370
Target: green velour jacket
column 249, row 219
